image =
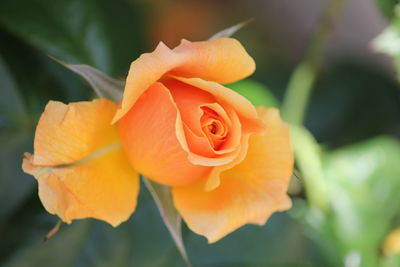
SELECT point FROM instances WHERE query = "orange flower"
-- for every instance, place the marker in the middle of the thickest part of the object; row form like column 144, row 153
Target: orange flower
column 228, row 164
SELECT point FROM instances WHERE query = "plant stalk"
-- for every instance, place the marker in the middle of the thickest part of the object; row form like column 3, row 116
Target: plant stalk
column 303, row 78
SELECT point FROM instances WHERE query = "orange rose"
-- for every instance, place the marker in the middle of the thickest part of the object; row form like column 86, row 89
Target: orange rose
column 228, row 164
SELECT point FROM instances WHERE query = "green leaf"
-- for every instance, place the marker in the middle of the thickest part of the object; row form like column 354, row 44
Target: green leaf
column 103, row 85
column 281, row 242
column 386, row 6
column 144, row 241
column 15, row 185
column 257, row 93
column 51, row 26
column 388, row 41
column 42, row 78
column 363, row 187
column 141, row 241
column 11, row 103
column 367, row 176
column 390, row 261
column 77, row 31
column 228, row 32
column 69, row 241
column 162, row 197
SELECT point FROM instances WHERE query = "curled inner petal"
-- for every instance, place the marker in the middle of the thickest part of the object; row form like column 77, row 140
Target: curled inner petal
column 215, row 126
column 212, row 131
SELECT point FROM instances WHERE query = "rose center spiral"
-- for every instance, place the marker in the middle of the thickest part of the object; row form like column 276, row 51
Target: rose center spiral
column 214, row 127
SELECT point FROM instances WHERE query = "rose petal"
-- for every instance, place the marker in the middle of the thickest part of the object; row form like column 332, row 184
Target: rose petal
column 221, row 60
column 232, row 125
column 243, row 107
column 249, row 193
column 153, row 137
column 250, row 122
column 190, row 101
column 79, row 164
column 143, row 72
column 68, row 133
column 228, row 154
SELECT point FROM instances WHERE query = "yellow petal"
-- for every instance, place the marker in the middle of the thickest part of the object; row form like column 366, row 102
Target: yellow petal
column 143, row 72
column 249, row 192
column 222, row 60
column 79, row 164
column 68, row 133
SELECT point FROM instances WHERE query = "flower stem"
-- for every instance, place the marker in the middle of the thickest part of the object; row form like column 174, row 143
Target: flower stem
column 303, row 78
column 162, row 197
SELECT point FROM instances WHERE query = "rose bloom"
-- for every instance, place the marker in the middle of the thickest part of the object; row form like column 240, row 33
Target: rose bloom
column 227, row 163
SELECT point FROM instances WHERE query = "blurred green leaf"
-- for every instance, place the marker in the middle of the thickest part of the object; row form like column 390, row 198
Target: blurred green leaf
column 340, row 112
column 363, row 182
column 47, row 254
column 76, row 31
column 390, row 261
column 142, row 241
column 15, row 185
column 388, row 41
column 103, row 85
column 38, row 78
column 281, row 242
column 11, row 103
column 162, row 197
column 257, row 93
column 51, row 26
column 386, row 6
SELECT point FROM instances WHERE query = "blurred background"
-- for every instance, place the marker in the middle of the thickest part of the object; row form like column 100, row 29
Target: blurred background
column 353, row 114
